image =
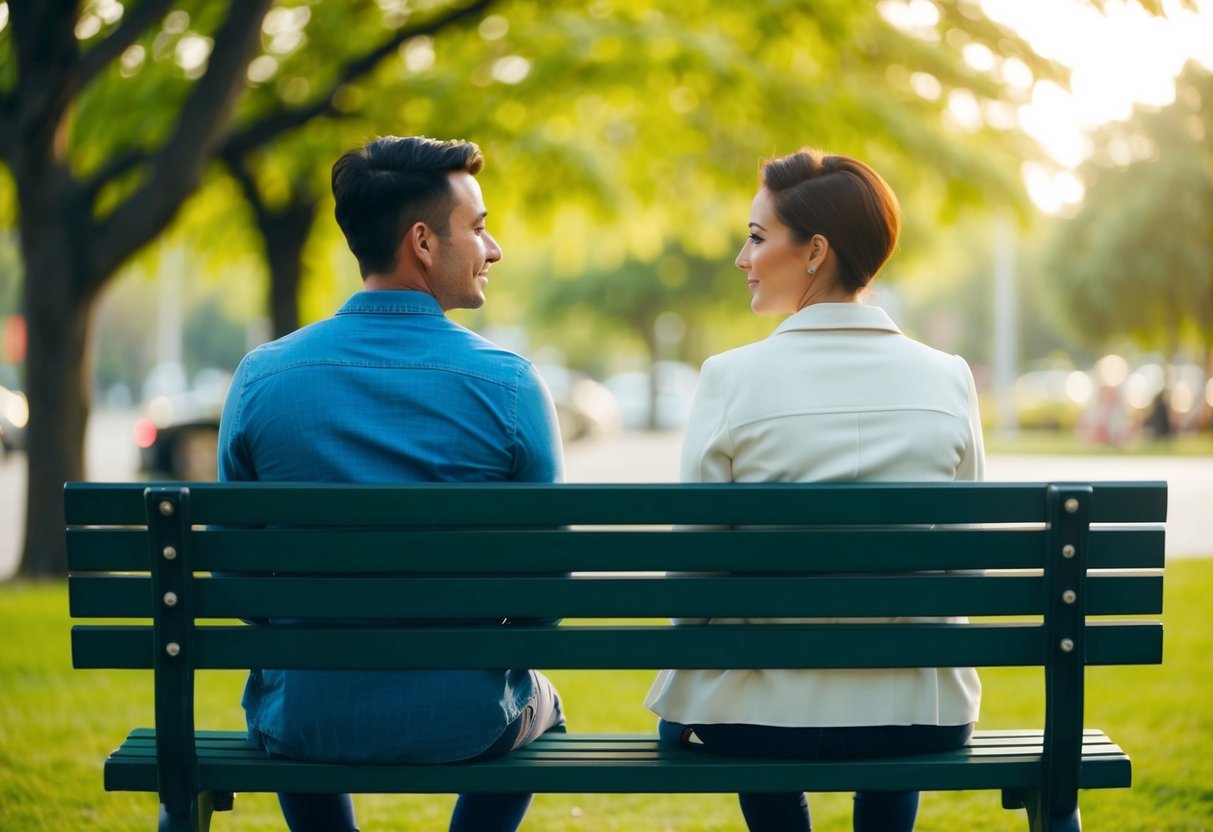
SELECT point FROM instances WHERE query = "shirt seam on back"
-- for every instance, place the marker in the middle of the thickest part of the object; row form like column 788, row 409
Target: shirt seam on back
column 377, row 365
column 842, row 411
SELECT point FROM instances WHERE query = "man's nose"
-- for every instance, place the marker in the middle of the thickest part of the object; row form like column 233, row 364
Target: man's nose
column 494, row 250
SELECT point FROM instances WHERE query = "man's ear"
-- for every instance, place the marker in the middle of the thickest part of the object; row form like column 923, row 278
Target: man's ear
column 418, row 242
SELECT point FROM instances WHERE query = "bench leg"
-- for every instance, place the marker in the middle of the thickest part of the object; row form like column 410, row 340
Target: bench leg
column 1037, row 820
column 198, row 817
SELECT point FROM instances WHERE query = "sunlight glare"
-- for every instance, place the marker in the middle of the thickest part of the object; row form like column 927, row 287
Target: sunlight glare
column 1118, row 58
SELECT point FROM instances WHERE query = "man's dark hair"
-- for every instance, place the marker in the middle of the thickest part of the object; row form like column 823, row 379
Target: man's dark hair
column 386, row 187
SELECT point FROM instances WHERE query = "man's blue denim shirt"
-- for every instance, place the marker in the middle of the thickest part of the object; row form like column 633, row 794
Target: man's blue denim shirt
column 388, row 390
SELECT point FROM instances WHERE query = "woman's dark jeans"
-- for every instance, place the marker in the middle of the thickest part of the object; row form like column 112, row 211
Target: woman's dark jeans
column 789, row 811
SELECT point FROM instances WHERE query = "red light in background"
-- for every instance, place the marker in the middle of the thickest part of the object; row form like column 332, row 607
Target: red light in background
column 14, row 339
column 145, row 433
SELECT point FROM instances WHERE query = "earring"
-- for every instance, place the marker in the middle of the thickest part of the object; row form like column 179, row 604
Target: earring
column 812, row 270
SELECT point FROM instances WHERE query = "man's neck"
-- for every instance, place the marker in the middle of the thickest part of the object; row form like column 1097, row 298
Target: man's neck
column 395, row 282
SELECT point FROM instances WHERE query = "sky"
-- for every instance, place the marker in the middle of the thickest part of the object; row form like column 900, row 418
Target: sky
column 1119, row 58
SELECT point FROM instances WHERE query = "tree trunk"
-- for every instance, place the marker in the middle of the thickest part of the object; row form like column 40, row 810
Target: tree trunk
column 285, row 233
column 57, row 377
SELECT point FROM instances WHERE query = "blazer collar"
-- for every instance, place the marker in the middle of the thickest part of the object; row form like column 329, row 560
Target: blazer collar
column 839, row 316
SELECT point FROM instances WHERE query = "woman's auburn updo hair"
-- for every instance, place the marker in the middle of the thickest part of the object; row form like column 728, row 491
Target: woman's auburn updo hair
column 843, row 200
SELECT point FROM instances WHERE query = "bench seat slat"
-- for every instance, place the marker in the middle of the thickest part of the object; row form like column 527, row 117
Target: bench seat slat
column 622, row 763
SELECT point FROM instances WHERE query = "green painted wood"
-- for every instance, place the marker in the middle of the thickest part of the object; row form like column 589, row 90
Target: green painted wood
column 770, row 550
column 1122, row 593
column 112, row 647
column 586, row 597
column 621, row 763
column 1123, row 642
column 526, row 505
column 1126, row 547
column 168, row 510
column 410, row 551
column 108, row 549
column 110, row 596
column 1065, row 665
column 1021, row 644
column 604, row 597
column 395, row 539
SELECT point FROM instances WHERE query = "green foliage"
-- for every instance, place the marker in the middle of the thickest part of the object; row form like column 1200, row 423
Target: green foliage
column 616, row 132
column 1137, row 259
column 57, row 725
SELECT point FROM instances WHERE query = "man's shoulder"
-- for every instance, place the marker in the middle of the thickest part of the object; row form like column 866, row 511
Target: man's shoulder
column 479, row 351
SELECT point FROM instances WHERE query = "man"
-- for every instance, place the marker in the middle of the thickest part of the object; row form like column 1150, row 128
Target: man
column 389, row 390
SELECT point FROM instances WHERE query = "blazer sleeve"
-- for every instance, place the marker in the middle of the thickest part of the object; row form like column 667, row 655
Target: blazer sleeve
column 973, row 461
column 707, row 448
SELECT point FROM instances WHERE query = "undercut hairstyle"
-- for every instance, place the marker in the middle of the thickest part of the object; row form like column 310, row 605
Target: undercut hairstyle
column 392, row 183
column 843, row 200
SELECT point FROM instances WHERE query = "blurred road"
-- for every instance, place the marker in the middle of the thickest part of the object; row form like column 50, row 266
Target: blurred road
column 653, row 457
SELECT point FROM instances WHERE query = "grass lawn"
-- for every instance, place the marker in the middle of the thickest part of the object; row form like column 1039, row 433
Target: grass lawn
column 1067, row 443
column 57, row 725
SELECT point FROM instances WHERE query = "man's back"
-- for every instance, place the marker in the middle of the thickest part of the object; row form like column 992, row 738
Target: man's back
column 388, row 390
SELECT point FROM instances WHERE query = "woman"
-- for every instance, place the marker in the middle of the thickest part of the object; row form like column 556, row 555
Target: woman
column 837, row 393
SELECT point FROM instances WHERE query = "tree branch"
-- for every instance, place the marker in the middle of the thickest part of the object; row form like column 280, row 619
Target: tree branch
column 44, row 43
column 178, row 165
column 111, row 170
column 8, row 126
column 134, row 22
column 238, row 167
column 262, row 132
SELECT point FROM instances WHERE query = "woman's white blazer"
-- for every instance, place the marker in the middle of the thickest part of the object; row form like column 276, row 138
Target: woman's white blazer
column 837, row 393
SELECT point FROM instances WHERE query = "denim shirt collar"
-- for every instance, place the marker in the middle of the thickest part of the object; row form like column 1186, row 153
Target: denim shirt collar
column 392, row 300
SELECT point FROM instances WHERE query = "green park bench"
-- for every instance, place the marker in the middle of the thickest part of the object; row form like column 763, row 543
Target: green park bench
column 1055, row 576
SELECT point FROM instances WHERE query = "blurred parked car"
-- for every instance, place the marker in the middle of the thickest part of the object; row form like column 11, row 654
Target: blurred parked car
column 676, row 383
column 14, row 414
column 178, row 435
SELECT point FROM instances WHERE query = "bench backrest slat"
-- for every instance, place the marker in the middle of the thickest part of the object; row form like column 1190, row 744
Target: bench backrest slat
column 394, row 569
column 305, row 551
column 639, row 647
column 519, row 505
column 602, row 597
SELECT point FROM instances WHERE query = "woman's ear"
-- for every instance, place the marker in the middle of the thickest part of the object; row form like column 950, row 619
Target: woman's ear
column 819, row 247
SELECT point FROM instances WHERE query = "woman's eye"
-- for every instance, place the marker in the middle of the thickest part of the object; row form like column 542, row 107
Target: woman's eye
column 754, row 238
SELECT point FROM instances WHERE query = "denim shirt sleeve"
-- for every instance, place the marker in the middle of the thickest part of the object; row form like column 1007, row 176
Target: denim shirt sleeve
column 235, row 464
column 538, row 453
